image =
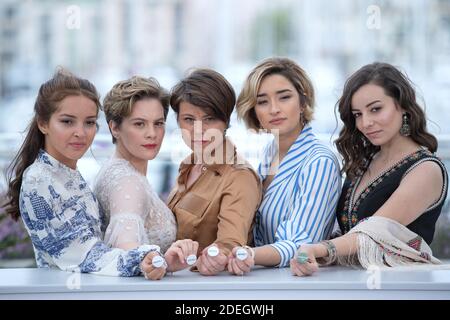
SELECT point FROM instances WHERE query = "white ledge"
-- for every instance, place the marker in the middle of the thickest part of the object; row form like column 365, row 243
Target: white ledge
column 263, row 283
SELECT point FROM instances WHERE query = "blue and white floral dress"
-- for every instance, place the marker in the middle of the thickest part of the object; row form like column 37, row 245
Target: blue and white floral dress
column 64, row 221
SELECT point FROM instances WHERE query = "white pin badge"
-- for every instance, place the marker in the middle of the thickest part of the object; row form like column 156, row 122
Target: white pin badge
column 241, row 254
column 213, row 251
column 158, row 261
column 191, row 259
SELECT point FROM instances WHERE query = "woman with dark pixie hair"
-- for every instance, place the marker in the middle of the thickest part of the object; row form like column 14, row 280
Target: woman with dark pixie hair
column 386, row 218
column 47, row 191
column 217, row 191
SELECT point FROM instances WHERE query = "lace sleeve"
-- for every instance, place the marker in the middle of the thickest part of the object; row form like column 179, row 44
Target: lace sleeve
column 127, row 205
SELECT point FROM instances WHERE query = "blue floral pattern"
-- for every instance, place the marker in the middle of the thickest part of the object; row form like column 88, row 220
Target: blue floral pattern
column 64, row 221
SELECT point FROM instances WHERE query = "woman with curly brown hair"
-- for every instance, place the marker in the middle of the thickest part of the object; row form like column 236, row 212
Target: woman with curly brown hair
column 386, row 218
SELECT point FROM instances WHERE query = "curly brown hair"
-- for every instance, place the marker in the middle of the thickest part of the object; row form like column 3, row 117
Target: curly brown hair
column 351, row 144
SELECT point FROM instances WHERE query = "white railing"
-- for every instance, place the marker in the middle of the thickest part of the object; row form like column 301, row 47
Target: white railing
column 261, row 283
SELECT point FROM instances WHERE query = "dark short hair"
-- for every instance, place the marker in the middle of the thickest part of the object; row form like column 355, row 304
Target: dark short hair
column 208, row 90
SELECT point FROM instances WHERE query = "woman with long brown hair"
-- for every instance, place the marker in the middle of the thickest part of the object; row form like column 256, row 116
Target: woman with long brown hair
column 395, row 185
column 47, row 191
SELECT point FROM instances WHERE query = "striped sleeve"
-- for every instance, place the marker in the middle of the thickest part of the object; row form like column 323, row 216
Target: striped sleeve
column 312, row 207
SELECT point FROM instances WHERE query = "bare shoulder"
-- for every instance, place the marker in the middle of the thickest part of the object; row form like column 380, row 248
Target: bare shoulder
column 427, row 173
column 428, row 168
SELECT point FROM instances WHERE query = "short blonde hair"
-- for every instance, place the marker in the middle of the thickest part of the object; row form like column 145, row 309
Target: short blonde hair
column 119, row 101
column 246, row 101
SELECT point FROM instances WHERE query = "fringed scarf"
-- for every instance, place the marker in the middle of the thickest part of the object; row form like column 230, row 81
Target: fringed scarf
column 384, row 242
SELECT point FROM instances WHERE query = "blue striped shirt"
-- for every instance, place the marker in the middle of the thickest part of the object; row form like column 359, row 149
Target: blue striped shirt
column 299, row 204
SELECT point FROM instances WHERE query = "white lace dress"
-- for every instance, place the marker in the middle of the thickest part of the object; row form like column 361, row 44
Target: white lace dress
column 134, row 209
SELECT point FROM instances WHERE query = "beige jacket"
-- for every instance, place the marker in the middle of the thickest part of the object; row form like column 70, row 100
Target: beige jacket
column 220, row 206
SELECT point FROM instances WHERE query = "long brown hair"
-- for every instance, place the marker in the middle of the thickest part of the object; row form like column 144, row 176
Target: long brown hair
column 61, row 85
column 351, row 144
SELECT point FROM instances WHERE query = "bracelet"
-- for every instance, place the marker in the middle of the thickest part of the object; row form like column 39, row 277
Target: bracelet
column 332, row 253
column 252, row 251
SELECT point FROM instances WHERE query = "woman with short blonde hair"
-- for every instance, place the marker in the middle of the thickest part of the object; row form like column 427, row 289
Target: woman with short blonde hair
column 136, row 111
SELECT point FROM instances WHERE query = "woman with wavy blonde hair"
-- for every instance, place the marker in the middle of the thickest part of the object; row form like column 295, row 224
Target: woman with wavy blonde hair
column 385, row 217
column 300, row 175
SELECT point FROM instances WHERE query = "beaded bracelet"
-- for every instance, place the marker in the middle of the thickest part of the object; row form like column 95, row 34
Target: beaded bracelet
column 332, row 253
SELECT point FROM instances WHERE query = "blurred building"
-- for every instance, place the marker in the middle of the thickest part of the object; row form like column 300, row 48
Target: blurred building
column 107, row 40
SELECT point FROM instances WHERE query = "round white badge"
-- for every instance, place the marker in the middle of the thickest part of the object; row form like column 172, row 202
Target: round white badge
column 191, row 259
column 158, row 261
column 241, row 254
column 213, row 251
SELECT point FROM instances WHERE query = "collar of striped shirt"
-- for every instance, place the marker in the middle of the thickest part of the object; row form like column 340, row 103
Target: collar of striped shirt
column 305, row 137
